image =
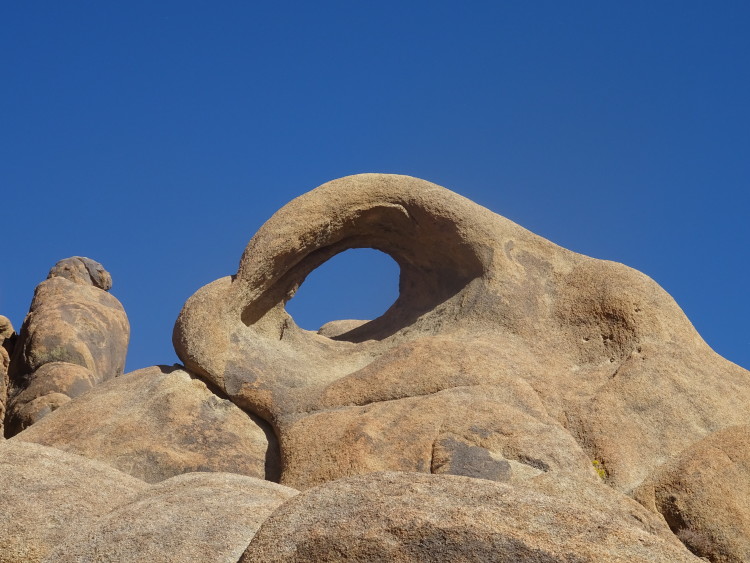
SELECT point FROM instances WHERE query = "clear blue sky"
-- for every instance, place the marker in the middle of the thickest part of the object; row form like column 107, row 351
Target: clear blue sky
column 156, row 137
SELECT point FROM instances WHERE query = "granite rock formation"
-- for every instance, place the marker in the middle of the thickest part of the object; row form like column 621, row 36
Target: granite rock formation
column 7, row 340
column 704, row 495
column 404, row 517
column 74, row 336
column 518, row 402
column 46, row 493
column 193, row 517
column 159, row 422
column 608, row 356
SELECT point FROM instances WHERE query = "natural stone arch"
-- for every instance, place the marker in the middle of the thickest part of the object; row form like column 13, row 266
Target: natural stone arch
column 493, row 325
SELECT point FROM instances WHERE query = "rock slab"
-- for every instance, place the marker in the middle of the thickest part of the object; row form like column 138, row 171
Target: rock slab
column 46, row 493
column 159, row 422
column 402, row 517
column 208, row 517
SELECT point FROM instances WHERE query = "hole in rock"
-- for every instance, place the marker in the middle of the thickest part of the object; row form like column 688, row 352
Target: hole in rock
column 359, row 283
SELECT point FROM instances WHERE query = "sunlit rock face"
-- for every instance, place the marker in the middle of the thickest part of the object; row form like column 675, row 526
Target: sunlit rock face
column 74, row 336
column 517, row 402
column 504, row 357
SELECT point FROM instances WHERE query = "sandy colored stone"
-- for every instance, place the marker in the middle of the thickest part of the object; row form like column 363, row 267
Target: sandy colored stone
column 159, row 422
column 207, row 517
column 608, row 353
column 83, row 271
column 6, row 328
column 7, row 341
column 333, row 329
column 403, row 517
column 491, row 432
column 73, row 320
column 51, row 386
column 4, row 383
column 45, row 494
column 704, row 495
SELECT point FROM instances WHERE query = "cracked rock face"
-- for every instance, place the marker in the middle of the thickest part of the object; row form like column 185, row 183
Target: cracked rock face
column 504, row 357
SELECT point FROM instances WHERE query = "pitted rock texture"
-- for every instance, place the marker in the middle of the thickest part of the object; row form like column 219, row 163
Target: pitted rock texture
column 45, row 494
column 207, row 517
column 586, row 349
column 159, row 422
column 704, row 495
column 404, row 517
column 75, row 324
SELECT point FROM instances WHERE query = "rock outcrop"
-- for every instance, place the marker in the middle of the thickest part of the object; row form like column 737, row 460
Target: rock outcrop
column 74, row 336
column 46, row 493
column 207, row 517
column 7, row 340
column 159, row 422
column 518, row 402
column 608, row 356
column 704, row 495
column 404, row 517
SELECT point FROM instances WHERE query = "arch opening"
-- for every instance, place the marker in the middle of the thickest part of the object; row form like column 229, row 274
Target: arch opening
column 357, row 284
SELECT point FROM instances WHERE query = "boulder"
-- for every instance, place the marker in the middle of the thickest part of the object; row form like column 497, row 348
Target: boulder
column 7, row 340
column 6, row 329
column 704, row 495
column 159, row 422
column 208, row 517
column 82, row 271
column 72, row 320
column 4, row 383
column 608, row 355
column 45, row 494
column 499, row 432
column 403, row 517
column 51, row 386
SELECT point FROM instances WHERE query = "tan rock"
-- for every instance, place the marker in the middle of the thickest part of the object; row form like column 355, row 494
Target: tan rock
column 4, row 384
column 333, row 329
column 704, row 495
column 51, row 386
column 497, row 432
column 7, row 340
column 159, row 422
column 83, row 271
column 207, row 517
column 45, row 494
column 413, row 517
column 72, row 319
column 6, row 329
column 609, row 354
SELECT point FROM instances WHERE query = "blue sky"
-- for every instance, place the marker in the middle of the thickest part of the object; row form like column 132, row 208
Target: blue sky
column 156, row 137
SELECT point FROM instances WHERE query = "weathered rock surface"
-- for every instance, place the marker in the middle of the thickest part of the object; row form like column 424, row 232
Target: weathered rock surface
column 207, row 517
column 498, row 431
column 413, row 517
column 4, row 383
column 6, row 329
column 159, row 422
column 704, row 495
column 609, row 355
column 72, row 320
column 510, row 383
column 7, row 339
column 46, row 493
